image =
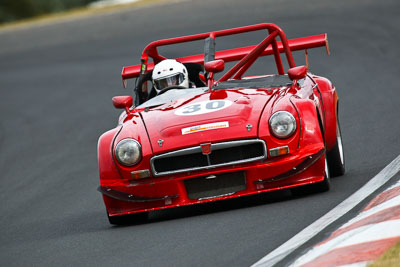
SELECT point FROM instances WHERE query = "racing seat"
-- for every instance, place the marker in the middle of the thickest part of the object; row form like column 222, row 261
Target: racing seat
column 141, row 96
column 194, row 70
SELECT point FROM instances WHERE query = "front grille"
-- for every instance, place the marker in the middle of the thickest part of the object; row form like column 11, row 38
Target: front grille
column 222, row 154
column 215, row 185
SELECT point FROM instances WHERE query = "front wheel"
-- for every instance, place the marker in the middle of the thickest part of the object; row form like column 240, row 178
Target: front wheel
column 336, row 155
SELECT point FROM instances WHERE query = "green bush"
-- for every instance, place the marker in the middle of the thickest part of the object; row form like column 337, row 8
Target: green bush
column 11, row 10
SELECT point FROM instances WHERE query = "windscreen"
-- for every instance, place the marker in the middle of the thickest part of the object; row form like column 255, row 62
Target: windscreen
column 255, row 83
column 172, row 95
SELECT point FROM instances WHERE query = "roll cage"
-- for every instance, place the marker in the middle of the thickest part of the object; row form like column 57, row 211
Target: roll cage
column 245, row 56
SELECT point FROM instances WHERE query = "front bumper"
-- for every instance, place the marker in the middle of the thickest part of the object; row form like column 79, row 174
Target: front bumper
column 288, row 171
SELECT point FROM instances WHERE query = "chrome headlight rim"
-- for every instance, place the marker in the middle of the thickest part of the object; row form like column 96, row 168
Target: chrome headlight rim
column 122, row 144
column 279, row 116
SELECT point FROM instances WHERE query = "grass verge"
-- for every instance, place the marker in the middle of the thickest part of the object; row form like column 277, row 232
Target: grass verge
column 390, row 258
column 74, row 13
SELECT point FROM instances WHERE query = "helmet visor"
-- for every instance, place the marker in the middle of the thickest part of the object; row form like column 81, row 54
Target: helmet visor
column 169, row 81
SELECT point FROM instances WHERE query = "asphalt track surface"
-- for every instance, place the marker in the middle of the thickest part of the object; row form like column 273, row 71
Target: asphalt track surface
column 56, row 84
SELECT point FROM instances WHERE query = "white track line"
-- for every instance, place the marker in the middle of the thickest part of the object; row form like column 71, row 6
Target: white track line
column 313, row 229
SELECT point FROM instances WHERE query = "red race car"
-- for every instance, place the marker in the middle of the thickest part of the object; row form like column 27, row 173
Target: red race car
column 187, row 137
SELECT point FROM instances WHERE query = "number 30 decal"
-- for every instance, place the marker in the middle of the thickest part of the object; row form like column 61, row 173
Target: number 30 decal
column 203, row 107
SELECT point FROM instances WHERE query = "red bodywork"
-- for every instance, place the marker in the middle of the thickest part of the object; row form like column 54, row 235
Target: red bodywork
column 244, row 118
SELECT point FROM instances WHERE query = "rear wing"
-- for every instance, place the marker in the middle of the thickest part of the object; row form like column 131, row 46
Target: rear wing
column 245, row 55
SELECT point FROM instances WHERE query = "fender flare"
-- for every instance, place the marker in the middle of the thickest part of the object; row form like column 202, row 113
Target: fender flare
column 108, row 170
column 310, row 130
column 330, row 101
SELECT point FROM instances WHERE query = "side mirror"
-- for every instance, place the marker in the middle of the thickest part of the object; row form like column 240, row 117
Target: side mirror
column 123, row 102
column 298, row 73
column 214, row 66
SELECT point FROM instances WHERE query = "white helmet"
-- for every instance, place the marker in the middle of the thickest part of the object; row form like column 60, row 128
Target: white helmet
column 170, row 73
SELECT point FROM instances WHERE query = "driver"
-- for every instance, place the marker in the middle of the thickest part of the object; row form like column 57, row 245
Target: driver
column 168, row 74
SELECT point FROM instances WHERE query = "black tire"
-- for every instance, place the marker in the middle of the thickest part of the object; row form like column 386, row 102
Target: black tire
column 128, row 219
column 335, row 156
column 315, row 187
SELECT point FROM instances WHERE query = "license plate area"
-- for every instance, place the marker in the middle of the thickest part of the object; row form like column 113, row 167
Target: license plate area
column 216, row 185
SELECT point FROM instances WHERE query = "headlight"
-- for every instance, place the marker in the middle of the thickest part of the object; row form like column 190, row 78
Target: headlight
column 128, row 152
column 282, row 124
